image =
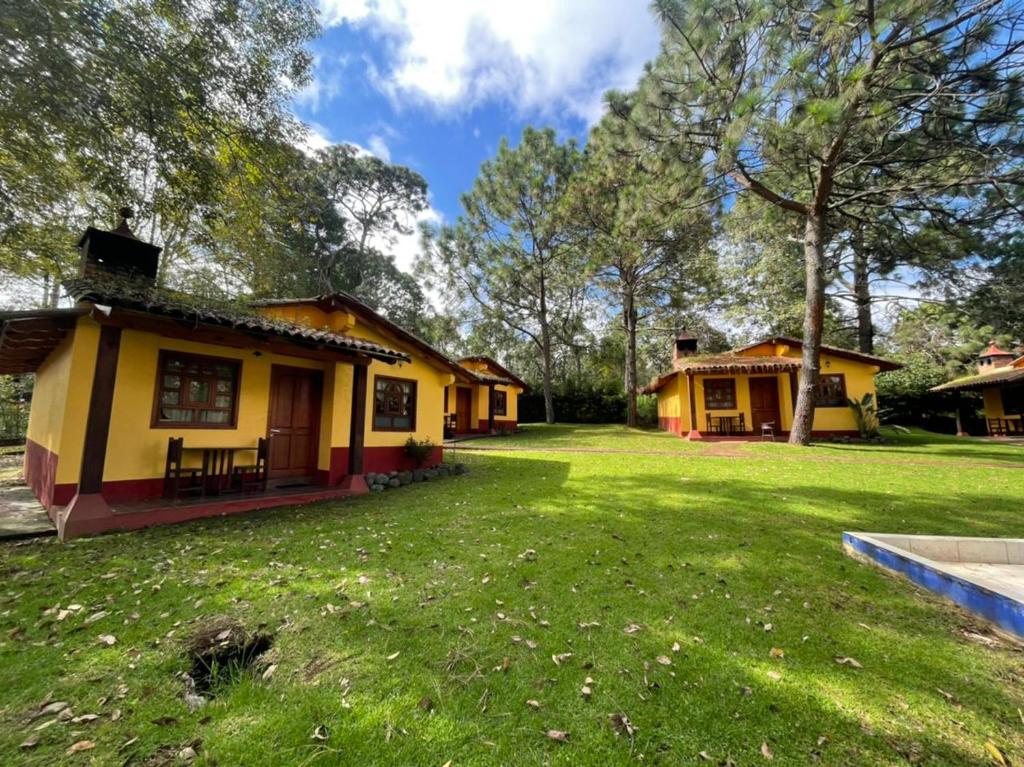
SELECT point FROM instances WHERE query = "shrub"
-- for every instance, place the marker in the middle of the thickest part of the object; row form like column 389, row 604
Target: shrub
column 418, row 450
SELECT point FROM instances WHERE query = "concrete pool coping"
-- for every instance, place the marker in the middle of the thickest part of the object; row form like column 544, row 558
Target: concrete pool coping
column 983, row 575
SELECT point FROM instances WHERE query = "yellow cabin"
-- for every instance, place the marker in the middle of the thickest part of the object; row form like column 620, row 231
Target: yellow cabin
column 1000, row 379
column 150, row 407
column 750, row 391
column 486, row 404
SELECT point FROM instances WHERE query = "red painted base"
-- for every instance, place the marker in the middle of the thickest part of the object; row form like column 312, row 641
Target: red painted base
column 125, row 517
column 41, row 473
column 694, row 436
column 672, row 424
column 87, row 514
column 356, row 483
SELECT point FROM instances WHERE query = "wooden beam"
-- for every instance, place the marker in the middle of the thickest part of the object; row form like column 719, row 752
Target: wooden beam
column 694, row 431
column 490, row 408
column 357, row 429
column 792, row 389
column 97, row 425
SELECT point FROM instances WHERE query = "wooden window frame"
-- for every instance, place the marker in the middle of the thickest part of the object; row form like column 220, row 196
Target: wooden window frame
column 204, row 359
column 415, row 404
column 500, row 405
column 844, row 402
column 719, row 383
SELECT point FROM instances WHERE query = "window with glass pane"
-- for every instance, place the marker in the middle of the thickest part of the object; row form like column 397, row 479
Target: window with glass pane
column 394, row 404
column 196, row 391
column 832, row 391
column 720, row 394
column 500, row 402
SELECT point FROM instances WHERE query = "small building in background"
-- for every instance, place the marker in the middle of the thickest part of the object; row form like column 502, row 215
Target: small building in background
column 752, row 391
column 1000, row 379
column 488, row 403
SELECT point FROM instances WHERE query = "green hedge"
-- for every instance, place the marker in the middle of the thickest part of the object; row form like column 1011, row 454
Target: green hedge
column 585, row 406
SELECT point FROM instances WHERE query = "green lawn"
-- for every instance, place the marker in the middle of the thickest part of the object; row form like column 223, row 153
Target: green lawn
column 430, row 592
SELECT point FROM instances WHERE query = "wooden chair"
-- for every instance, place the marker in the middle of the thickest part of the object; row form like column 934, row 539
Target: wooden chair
column 174, row 472
column 996, row 427
column 253, row 476
column 768, row 431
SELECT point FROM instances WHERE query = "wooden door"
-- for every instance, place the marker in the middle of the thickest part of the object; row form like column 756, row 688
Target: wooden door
column 764, row 403
column 463, row 409
column 294, row 422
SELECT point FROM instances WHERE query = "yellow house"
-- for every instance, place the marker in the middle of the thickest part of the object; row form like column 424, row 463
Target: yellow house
column 737, row 393
column 1000, row 379
column 140, row 392
column 488, row 402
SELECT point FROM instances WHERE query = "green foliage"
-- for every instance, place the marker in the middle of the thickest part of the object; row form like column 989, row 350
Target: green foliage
column 418, row 451
column 15, row 399
column 509, row 259
column 865, row 411
column 150, row 104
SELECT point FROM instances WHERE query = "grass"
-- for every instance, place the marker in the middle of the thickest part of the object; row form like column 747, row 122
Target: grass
column 427, row 597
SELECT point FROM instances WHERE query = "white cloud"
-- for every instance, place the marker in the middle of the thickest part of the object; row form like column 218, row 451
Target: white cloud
column 538, row 55
column 325, row 84
column 377, row 146
column 315, row 137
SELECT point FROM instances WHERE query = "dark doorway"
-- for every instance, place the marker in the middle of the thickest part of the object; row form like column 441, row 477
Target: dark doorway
column 764, row 403
column 294, row 422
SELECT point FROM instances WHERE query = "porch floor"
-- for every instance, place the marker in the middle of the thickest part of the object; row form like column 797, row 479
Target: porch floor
column 21, row 515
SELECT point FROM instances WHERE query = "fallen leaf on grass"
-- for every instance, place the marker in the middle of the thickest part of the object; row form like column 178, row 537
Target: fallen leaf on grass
column 534, row 704
column 30, row 742
column 426, row 704
column 997, row 754
column 107, row 639
column 320, row 732
column 85, row 718
column 851, row 662
column 621, row 724
column 394, row 655
column 82, row 745
column 561, row 658
column 586, row 692
column 775, row 676
column 676, row 647
column 766, row 752
column 777, row 652
column 559, row 735
column 664, row 660
column 269, row 672
column 632, row 628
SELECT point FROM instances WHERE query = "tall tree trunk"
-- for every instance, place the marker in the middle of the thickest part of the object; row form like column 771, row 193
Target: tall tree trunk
column 814, row 316
column 629, row 320
column 545, row 344
column 862, row 297
column 45, row 300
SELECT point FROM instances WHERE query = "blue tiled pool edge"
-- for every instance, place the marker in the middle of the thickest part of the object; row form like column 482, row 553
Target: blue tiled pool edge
column 1005, row 612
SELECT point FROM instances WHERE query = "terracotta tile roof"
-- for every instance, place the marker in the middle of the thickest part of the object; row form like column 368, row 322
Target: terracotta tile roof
column 136, row 294
column 882, row 363
column 999, row 377
column 730, row 362
column 341, row 299
column 994, row 351
column 505, row 376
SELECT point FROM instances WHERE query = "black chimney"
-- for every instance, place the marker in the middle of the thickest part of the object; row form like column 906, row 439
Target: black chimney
column 118, row 252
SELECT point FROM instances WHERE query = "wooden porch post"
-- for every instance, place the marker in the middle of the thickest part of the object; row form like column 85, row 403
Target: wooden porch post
column 793, row 391
column 694, row 431
column 88, row 509
column 490, row 408
column 355, row 480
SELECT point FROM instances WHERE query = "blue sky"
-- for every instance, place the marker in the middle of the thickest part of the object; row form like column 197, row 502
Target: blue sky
column 436, row 85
